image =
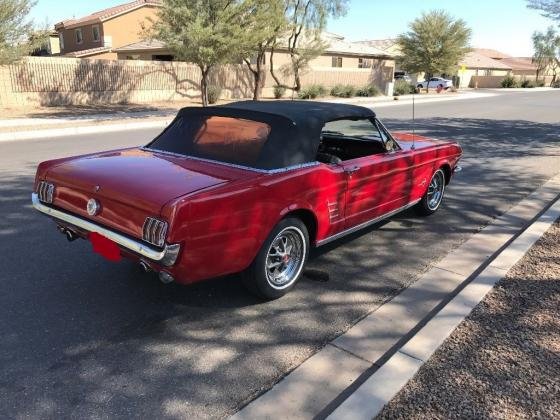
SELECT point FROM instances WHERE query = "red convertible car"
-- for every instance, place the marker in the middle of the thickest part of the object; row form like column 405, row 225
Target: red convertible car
column 247, row 187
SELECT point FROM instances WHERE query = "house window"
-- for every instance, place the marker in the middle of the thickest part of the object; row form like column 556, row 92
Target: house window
column 79, row 36
column 337, row 61
column 364, row 63
column 162, row 57
column 61, row 40
column 95, row 33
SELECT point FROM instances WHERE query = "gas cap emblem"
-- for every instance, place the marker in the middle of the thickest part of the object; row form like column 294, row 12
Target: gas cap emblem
column 93, row 207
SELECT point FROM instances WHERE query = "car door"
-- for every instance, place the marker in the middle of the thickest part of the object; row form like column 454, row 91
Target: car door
column 377, row 184
column 434, row 82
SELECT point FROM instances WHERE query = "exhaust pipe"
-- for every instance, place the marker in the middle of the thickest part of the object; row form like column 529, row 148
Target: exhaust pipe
column 165, row 277
column 145, row 267
column 70, row 235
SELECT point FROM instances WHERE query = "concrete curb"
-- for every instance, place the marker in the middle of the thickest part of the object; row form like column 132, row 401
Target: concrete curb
column 407, row 99
column 369, row 352
column 370, row 398
column 87, row 129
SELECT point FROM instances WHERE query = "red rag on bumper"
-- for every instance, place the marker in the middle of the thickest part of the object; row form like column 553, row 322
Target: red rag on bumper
column 105, row 247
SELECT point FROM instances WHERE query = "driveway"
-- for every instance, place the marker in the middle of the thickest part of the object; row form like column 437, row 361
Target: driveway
column 82, row 337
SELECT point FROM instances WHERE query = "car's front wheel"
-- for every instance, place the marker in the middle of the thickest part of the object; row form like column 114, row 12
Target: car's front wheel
column 433, row 197
column 419, row 86
column 280, row 261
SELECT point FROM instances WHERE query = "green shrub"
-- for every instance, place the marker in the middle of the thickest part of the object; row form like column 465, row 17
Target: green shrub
column 509, row 82
column 555, row 84
column 402, row 87
column 527, row 84
column 369, row 90
column 337, row 90
column 343, row 91
column 279, row 91
column 312, row 92
column 539, row 83
column 214, row 93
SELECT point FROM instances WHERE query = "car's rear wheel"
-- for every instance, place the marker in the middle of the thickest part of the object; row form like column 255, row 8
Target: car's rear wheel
column 433, row 197
column 280, row 261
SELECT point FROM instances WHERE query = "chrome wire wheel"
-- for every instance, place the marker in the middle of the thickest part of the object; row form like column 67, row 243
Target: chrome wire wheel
column 435, row 190
column 285, row 258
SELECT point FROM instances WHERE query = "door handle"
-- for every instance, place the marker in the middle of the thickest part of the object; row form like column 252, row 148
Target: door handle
column 351, row 169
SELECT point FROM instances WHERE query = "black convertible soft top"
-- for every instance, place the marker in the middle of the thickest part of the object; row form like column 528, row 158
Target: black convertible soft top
column 295, row 126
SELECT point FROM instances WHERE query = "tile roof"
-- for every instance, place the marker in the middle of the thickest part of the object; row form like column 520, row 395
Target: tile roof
column 335, row 45
column 87, row 53
column 475, row 60
column 342, row 46
column 520, row 63
column 144, row 45
column 105, row 14
column 382, row 44
column 488, row 52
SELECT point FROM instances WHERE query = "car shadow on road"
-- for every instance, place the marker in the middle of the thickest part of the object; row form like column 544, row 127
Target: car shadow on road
column 82, row 335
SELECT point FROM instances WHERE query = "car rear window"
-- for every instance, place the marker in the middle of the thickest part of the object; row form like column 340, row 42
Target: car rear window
column 225, row 139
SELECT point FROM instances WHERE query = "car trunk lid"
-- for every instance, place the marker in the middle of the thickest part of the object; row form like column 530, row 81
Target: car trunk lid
column 132, row 184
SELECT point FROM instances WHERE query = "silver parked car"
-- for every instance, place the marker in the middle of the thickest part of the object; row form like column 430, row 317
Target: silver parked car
column 435, row 82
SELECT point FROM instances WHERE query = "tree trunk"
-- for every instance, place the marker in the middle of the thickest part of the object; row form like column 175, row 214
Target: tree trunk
column 204, row 85
column 257, row 74
column 276, row 79
column 297, row 79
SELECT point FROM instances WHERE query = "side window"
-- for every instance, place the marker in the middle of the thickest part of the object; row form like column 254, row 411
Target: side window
column 390, row 144
column 79, row 36
column 362, row 129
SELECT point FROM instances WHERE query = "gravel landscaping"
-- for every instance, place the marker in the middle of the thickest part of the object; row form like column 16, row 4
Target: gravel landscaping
column 503, row 361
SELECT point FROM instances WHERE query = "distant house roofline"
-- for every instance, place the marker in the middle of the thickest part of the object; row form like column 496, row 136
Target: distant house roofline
column 475, row 60
column 336, row 46
column 87, row 53
column 106, row 14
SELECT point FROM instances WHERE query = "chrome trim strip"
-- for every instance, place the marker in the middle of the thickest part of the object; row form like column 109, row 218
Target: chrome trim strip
column 234, row 165
column 365, row 224
column 125, row 242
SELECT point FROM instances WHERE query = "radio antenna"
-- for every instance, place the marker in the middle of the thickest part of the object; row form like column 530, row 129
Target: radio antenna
column 413, row 120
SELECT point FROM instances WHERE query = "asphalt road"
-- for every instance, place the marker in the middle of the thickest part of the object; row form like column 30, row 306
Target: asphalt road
column 83, row 337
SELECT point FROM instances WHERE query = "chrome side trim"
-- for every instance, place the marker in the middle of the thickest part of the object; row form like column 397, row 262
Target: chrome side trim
column 234, row 165
column 125, row 242
column 365, row 224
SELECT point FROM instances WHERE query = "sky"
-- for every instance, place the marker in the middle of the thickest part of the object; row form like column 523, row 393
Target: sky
column 505, row 25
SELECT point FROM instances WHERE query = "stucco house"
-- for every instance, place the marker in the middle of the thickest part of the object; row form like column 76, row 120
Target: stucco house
column 98, row 35
column 481, row 71
column 339, row 53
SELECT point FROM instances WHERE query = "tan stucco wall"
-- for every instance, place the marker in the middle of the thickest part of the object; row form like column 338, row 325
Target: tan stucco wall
column 62, row 80
column 123, row 30
column 468, row 77
column 126, row 29
column 70, row 44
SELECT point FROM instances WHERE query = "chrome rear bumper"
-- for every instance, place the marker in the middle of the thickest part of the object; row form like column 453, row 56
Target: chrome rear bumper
column 166, row 257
